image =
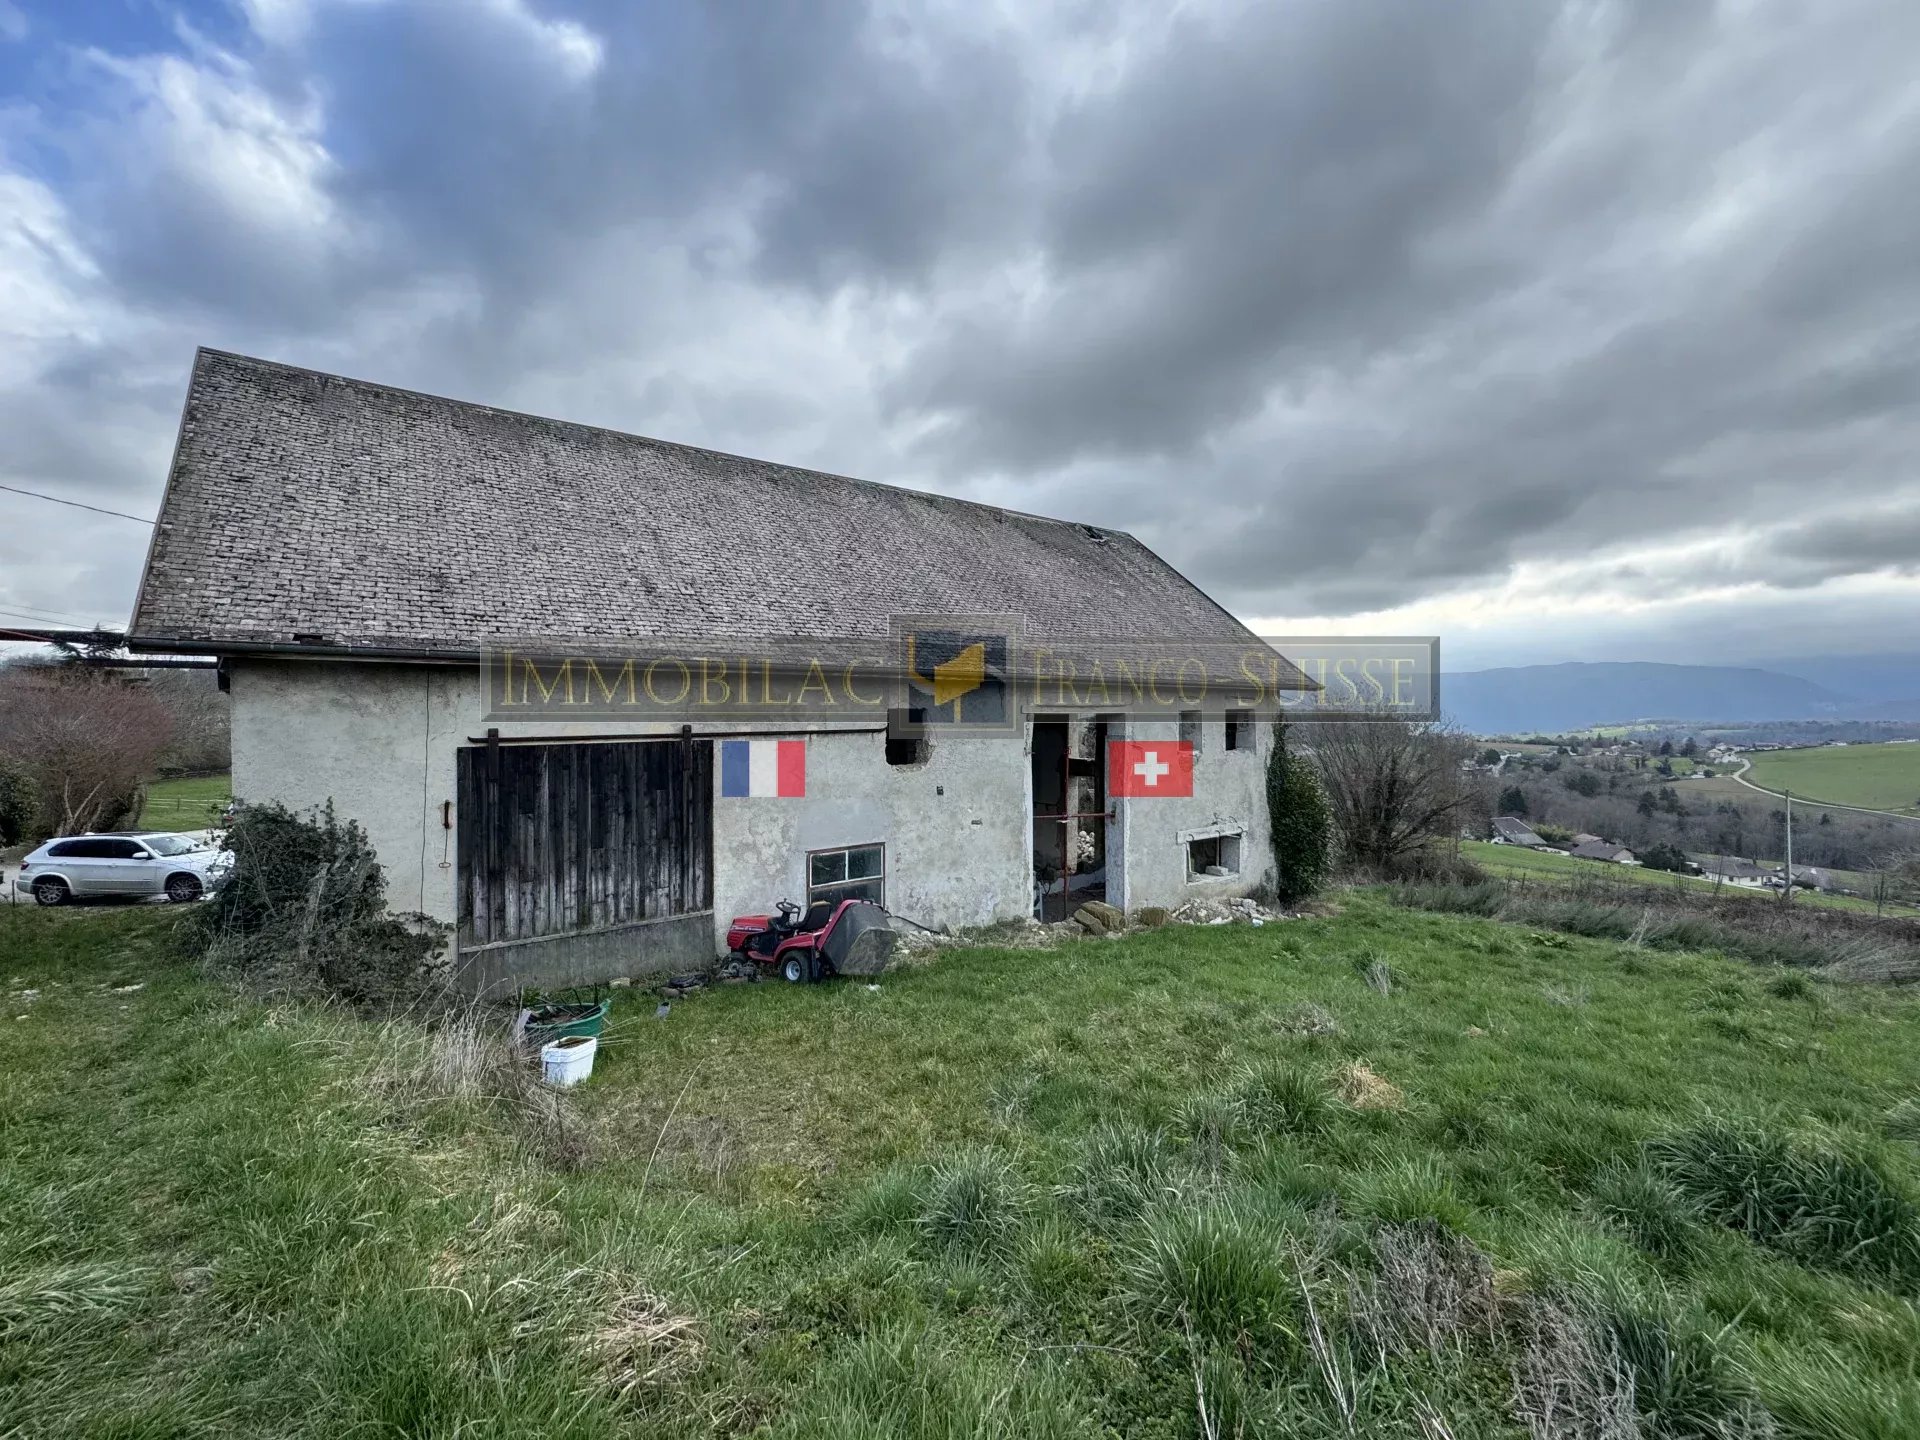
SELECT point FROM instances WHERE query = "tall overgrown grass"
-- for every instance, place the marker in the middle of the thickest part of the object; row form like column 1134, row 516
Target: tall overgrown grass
column 1205, row 1182
column 1840, row 946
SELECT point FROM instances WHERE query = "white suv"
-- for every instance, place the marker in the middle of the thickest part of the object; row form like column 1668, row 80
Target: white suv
column 137, row 864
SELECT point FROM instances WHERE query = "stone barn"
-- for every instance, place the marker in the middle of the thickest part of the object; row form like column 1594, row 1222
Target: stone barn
column 592, row 694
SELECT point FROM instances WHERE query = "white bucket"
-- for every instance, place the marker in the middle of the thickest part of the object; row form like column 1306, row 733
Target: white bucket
column 568, row 1061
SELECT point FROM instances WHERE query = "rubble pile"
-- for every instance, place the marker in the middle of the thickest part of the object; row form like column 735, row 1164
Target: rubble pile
column 1225, row 912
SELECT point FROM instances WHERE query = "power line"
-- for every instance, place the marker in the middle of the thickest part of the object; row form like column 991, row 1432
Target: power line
column 42, row 622
column 79, row 505
column 19, row 607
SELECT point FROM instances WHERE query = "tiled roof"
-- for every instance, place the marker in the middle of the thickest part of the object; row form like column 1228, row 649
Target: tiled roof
column 1598, row 850
column 307, row 504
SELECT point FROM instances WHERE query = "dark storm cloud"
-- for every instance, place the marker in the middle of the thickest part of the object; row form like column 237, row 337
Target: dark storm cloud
column 1259, row 196
column 1339, row 305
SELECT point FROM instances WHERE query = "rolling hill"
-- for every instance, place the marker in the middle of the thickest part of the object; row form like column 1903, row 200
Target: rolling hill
column 1576, row 695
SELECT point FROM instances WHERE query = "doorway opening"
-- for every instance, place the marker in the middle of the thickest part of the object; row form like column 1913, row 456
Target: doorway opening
column 1070, row 814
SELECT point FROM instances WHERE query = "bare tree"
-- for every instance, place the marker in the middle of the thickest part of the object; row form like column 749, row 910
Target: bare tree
column 1394, row 784
column 1897, row 879
column 201, row 717
column 84, row 740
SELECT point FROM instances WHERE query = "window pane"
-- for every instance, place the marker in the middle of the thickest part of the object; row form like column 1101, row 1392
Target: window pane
column 863, row 863
column 828, row 868
column 66, row 849
column 122, row 850
column 874, row 890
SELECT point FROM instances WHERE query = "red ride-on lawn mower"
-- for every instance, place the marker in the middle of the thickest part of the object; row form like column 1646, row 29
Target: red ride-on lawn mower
column 846, row 937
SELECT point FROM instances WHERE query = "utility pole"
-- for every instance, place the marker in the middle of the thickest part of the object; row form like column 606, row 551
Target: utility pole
column 1786, row 895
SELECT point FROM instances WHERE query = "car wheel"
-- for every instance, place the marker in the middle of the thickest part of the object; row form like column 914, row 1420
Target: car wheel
column 51, row 891
column 182, row 888
column 794, row 969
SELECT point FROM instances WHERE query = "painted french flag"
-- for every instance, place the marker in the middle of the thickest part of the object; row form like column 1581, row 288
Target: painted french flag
column 763, row 768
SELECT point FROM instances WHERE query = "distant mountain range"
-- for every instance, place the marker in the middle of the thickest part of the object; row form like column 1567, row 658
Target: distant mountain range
column 1577, row 695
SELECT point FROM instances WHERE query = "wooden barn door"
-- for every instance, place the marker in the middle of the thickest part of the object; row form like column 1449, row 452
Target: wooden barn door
column 559, row 839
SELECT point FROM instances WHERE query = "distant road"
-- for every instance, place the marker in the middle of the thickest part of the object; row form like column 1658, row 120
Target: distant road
column 1746, row 765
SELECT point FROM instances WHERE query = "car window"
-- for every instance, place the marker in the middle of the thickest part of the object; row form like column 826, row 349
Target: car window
column 119, row 850
column 68, row 850
column 169, row 844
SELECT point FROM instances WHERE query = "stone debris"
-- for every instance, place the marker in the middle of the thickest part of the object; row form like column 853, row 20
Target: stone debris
column 1239, row 910
column 1096, row 917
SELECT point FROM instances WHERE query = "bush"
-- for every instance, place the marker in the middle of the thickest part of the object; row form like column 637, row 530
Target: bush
column 19, row 812
column 306, row 913
column 1300, row 822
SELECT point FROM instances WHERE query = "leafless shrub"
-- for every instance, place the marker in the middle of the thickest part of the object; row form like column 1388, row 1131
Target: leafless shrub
column 1393, row 785
column 84, row 740
column 201, row 720
column 1570, row 1381
column 1430, row 1289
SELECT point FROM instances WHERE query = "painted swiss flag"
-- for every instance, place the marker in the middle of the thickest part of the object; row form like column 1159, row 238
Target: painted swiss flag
column 1139, row 768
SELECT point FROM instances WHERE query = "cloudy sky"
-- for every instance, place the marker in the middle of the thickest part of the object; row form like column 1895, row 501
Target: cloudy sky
column 1584, row 331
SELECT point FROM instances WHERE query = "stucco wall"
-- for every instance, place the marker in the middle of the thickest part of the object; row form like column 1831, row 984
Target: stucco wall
column 380, row 741
column 1229, row 792
column 955, row 829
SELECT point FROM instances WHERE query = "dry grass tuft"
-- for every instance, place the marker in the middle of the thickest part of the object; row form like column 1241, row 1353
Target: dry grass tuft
column 1365, row 1089
column 645, row 1342
column 1570, row 1381
column 1431, row 1289
column 471, row 1058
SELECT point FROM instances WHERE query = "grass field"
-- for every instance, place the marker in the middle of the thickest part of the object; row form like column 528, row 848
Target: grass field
column 1878, row 777
column 1513, row 860
column 190, row 804
column 1383, row 1173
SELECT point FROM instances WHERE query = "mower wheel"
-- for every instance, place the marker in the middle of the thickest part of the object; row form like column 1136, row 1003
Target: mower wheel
column 795, row 969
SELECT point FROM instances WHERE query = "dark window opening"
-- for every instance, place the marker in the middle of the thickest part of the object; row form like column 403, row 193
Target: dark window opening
column 1213, row 857
column 907, row 742
column 858, row 872
column 1190, row 729
column 1239, row 730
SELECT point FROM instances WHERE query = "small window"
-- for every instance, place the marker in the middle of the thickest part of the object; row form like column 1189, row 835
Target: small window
column 68, row 850
column 858, row 872
column 1190, row 729
column 907, row 742
column 1215, row 857
column 1239, row 730
column 122, row 850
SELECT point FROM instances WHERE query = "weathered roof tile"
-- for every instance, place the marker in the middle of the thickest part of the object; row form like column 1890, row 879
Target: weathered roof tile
column 374, row 516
